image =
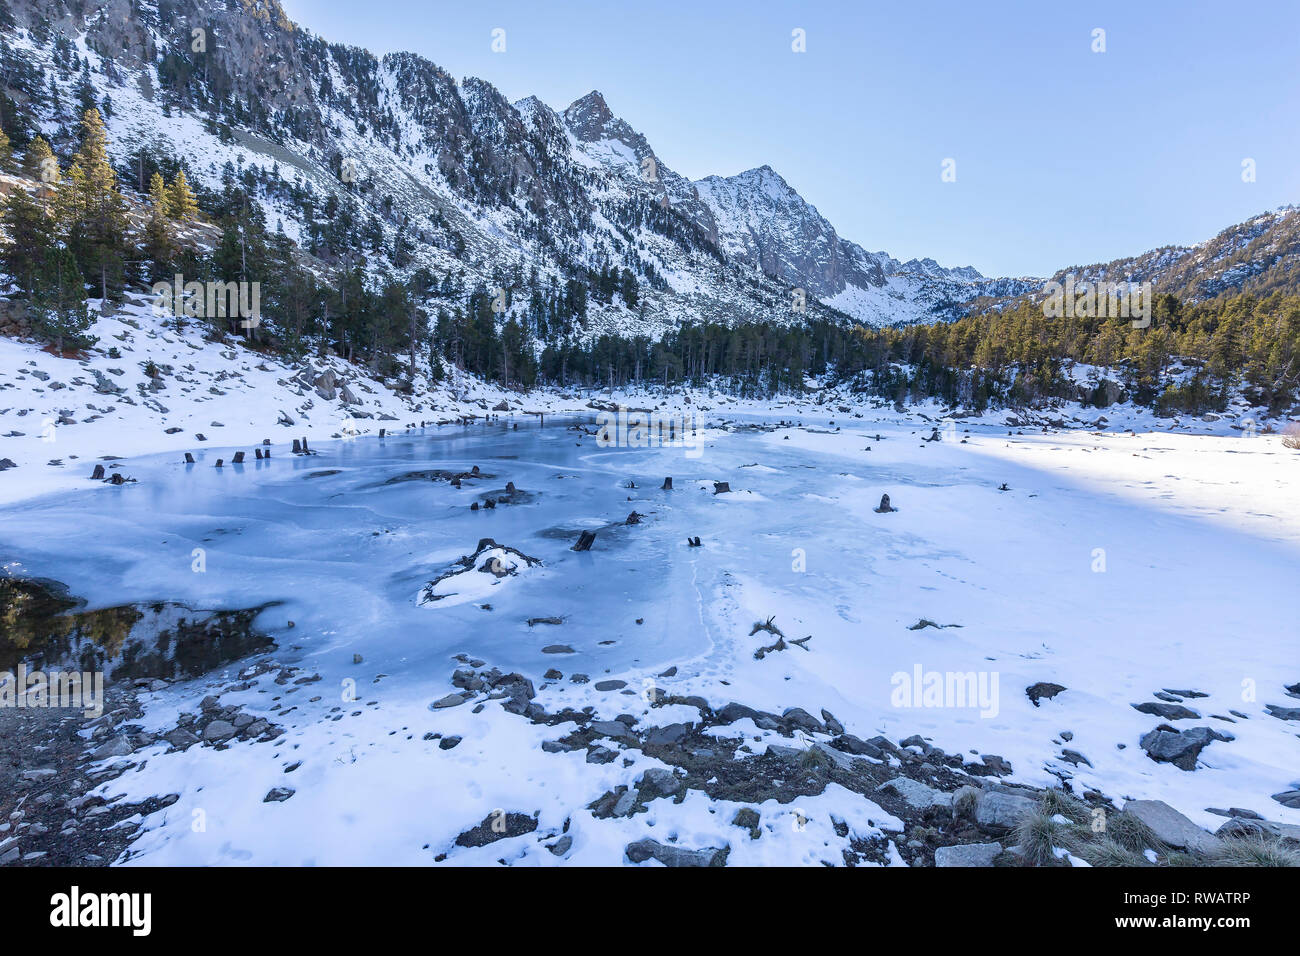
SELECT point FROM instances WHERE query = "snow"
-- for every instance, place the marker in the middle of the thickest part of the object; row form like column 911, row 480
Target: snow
column 1197, row 523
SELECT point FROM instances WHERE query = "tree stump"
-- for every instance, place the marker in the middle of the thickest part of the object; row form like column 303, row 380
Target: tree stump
column 585, row 541
column 667, row 485
column 98, row 473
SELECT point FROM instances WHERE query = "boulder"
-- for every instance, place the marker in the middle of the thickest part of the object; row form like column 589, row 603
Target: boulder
column 998, row 810
column 1171, row 827
column 675, row 856
column 968, row 854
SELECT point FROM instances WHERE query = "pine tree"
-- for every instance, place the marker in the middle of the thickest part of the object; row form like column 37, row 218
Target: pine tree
column 183, row 205
column 58, row 310
column 6, row 153
column 159, row 245
column 31, row 235
column 91, row 209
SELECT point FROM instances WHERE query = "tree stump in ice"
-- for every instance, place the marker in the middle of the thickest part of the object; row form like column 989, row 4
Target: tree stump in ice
column 585, row 541
column 667, row 485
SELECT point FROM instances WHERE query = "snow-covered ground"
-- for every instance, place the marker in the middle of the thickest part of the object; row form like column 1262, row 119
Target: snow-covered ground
column 1115, row 563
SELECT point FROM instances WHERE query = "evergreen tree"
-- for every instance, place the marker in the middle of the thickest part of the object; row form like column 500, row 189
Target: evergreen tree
column 159, row 245
column 31, row 236
column 181, row 199
column 58, row 310
column 6, row 153
column 93, row 211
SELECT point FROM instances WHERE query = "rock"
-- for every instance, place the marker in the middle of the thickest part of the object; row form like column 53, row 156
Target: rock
column 675, row 856
column 180, row 738
column 798, row 717
column 1166, row 745
column 667, row 735
column 451, row 700
column 968, row 854
column 915, row 794
column 833, row 726
column 611, row 728
column 562, row 845
column 624, row 804
column 1041, row 690
column 721, row 487
column 497, row 826
column 1239, row 826
column 599, row 755
column 659, row 782
column 610, row 684
column 218, row 730
column 1171, row 827
column 446, row 743
column 667, row 485
column 1168, row 711
column 6, row 464
column 853, row 745
column 278, row 795
column 557, row 649
column 1288, row 798
column 1283, row 713
column 117, row 747
column 1001, row 811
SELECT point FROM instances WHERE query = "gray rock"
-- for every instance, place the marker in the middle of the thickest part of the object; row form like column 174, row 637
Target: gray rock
column 562, row 845
column 611, row 728
column 674, row 856
column 659, row 782
column 278, row 795
column 798, row 717
column 218, row 730
column 968, row 854
column 1254, row 827
column 117, row 747
column 1288, row 798
column 833, row 726
column 610, row 684
column 1283, row 713
column 180, row 738
column 669, row 734
column 626, row 801
column 1001, row 811
column 497, row 826
column 451, row 700
column 446, row 743
column 1167, row 711
column 1170, row 826
column 915, row 794
column 1180, row 748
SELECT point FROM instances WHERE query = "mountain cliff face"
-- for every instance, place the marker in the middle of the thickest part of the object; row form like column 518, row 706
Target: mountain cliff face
column 451, row 177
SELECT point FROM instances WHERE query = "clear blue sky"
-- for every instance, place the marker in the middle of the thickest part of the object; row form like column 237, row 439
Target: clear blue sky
column 1063, row 156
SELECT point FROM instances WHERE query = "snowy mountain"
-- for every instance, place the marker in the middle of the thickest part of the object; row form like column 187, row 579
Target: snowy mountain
column 441, row 174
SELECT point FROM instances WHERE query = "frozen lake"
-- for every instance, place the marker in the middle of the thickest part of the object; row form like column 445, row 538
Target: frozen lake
column 1115, row 565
